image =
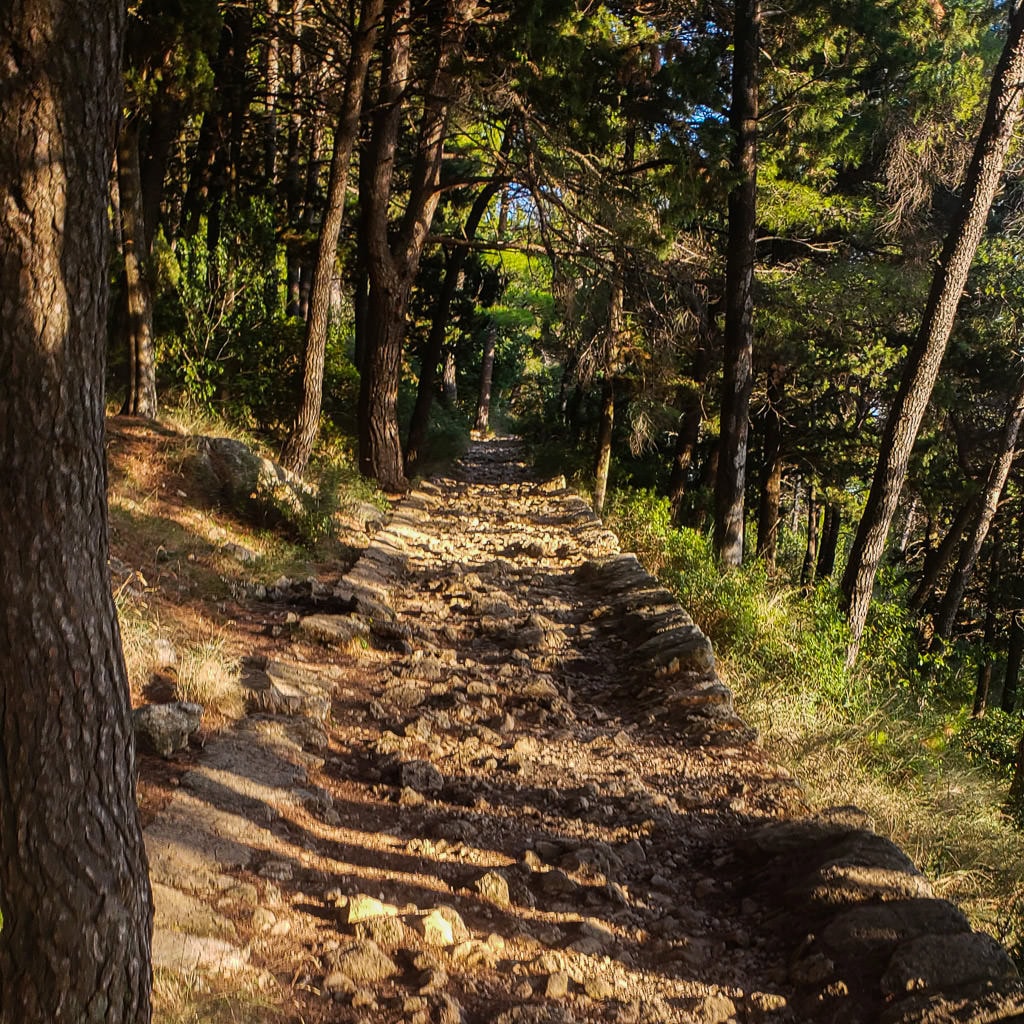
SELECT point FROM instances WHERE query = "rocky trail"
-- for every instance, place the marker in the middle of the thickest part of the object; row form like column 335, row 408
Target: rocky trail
column 490, row 775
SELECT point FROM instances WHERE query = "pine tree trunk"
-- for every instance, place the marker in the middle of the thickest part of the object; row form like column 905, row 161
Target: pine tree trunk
column 453, row 278
column 483, row 402
column 691, row 416
column 430, row 358
column 811, row 552
column 604, row 443
column 299, row 445
column 272, row 86
column 1016, row 799
column 74, row 885
column 214, row 132
column 939, row 557
column 394, row 257
column 449, row 378
column 1014, row 655
column 987, row 506
column 292, row 182
column 771, row 475
column 140, row 399
column 165, row 116
column 925, row 357
column 984, row 683
column 739, row 285
column 908, row 529
column 380, row 449
column 829, row 540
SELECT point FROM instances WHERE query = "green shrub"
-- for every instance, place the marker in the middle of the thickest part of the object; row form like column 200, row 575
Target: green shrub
column 223, row 342
column 991, row 741
column 931, row 777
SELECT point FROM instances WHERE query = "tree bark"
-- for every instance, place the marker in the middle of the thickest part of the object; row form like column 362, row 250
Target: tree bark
column 449, row 379
column 453, row 277
column 908, row 528
column 829, row 540
column 739, row 284
column 74, row 885
column 292, row 183
column 604, row 443
column 378, row 392
column 165, row 115
column 1014, row 656
column 140, row 398
column 393, row 259
column 691, row 415
column 213, row 133
column 923, row 362
column 984, row 683
column 272, row 85
column 483, row 402
column 299, row 445
column 1016, row 798
column 987, row 506
column 771, row 474
column 936, row 560
column 811, row 551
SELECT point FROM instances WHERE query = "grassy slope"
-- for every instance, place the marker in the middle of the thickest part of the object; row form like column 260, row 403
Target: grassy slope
column 877, row 738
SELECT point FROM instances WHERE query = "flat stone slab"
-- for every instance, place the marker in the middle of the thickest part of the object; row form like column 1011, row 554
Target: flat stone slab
column 281, row 688
column 335, row 630
column 180, row 952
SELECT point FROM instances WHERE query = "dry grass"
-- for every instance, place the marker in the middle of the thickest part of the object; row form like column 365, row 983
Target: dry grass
column 209, row 675
column 945, row 815
column 188, row 997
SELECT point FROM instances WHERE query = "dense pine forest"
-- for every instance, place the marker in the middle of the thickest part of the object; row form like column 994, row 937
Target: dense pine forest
column 762, row 264
column 749, row 277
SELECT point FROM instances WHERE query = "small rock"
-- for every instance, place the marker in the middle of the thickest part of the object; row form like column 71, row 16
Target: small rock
column 164, row 654
column 493, row 887
column 767, row 1002
column 594, row 938
column 364, row 999
column 716, row 1009
column 557, row 985
column 436, row 930
column 449, row 1011
column 362, row 964
column 459, row 930
column 523, row 990
column 165, row 728
column 385, row 931
column 278, row 870
column 361, row 907
column 409, row 797
column 812, row 970
column 943, row 961
column 421, row 776
column 433, row 979
column 263, row 920
column 240, row 553
column 598, row 988
column 336, row 630
column 557, row 883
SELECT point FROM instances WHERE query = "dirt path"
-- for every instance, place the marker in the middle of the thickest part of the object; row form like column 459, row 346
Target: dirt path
column 493, row 777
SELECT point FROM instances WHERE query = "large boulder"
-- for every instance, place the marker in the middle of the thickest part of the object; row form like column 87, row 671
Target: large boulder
column 245, row 478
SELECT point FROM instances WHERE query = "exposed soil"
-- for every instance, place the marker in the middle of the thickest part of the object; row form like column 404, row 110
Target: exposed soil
column 490, row 775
